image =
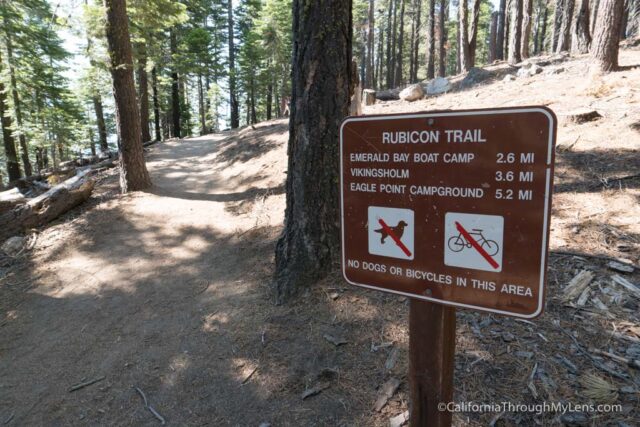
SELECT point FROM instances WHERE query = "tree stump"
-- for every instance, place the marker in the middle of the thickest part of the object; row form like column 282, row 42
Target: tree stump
column 369, row 96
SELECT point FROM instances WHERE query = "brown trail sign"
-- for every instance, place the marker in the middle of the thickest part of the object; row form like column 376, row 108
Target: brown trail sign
column 452, row 208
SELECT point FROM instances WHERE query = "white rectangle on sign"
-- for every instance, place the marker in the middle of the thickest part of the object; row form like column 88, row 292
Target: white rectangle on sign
column 473, row 241
column 391, row 232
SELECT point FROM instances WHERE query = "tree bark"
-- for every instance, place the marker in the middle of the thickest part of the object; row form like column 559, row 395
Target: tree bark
column 24, row 148
column 463, row 36
column 516, row 32
column 369, row 83
column 201, row 111
column 233, row 100
column 527, row 10
column 442, row 52
column 473, row 40
column 133, row 171
column 564, row 37
column 156, row 104
column 492, row 36
column 309, row 244
column 389, row 62
column 557, row 23
column 604, row 48
column 543, row 32
column 416, row 46
column 594, row 14
column 10, row 153
column 581, row 40
column 175, row 87
column 380, row 59
column 500, row 31
column 431, row 49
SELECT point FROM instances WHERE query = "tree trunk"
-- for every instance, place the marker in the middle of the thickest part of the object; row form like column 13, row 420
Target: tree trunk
column 543, row 32
column 412, row 47
column 399, row 62
column 133, row 171
column 252, row 100
column 201, row 112
column 594, row 14
column 581, row 40
column 442, row 53
column 394, row 41
column 156, row 103
column 500, row 30
column 380, row 59
column 233, row 100
column 527, row 10
column 416, row 45
column 606, row 39
column 431, row 50
column 557, row 23
column 24, row 148
column 564, row 38
column 10, row 153
column 175, row 87
column 269, row 99
column 507, row 24
column 492, row 36
column 389, row 62
column 625, row 20
column 310, row 243
column 463, row 36
column 143, row 93
column 473, row 40
column 369, row 83
column 516, row 33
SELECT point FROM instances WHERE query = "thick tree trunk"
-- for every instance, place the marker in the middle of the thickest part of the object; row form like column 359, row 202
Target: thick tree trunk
column 156, row 103
column 527, row 10
column 500, row 30
column 492, row 36
column 322, row 33
column 369, row 81
column 24, row 148
column 233, row 100
column 143, row 93
column 625, row 20
column 564, row 37
column 604, row 48
column 581, row 40
column 10, row 153
column 399, row 62
column 594, row 14
column 431, row 48
column 175, row 87
column 442, row 52
column 515, row 38
column 473, row 39
column 133, row 171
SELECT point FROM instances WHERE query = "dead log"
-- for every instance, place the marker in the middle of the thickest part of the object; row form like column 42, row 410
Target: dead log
column 388, row 95
column 48, row 206
column 581, row 116
column 10, row 199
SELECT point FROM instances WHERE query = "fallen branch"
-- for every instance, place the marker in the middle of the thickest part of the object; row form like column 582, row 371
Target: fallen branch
column 629, row 362
column 606, row 181
column 149, row 407
column 85, row 384
column 605, row 257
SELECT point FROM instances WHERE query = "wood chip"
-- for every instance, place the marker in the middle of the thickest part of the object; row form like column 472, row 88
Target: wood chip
column 619, row 280
column 386, row 392
column 622, row 268
column 337, row 341
column 584, row 296
column 377, row 347
column 575, row 287
column 317, row 389
column 399, row 420
column 391, row 360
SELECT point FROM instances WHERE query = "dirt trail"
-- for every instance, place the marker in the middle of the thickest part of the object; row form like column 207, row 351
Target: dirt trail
column 167, row 290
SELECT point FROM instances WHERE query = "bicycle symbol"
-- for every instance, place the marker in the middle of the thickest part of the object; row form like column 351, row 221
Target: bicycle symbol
column 458, row 243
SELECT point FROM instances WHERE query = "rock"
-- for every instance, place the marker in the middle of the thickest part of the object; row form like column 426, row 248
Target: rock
column 582, row 116
column 475, row 75
column 13, row 245
column 508, row 337
column 509, row 78
column 335, row 340
column 438, row 86
column 529, row 69
column 412, row 93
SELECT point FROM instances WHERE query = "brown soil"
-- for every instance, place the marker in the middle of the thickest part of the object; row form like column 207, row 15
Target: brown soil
column 168, row 290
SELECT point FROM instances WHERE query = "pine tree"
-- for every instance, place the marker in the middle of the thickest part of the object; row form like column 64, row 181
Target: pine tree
column 604, row 49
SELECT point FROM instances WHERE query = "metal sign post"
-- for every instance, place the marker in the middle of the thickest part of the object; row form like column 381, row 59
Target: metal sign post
column 452, row 210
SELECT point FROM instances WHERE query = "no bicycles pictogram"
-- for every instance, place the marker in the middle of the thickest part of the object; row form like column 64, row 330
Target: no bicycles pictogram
column 474, row 241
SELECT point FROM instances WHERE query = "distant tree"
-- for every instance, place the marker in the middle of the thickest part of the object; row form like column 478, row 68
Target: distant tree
column 581, row 40
column 369, row 82
column 400, row 50
column 493, row 36
column 11, row 155
column 501, row 29
column 442, row 53
column 516, row 33
column 468, row 37
column 233, row 96
column 605, row 46
column 431, row 48
column 309, row 244
column 564, row 35
column 133, row 171
column 527, row 11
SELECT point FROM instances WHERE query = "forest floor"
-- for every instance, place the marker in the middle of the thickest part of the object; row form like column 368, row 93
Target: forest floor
column 168, row 291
